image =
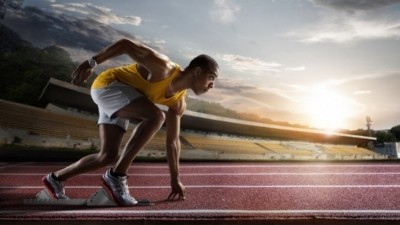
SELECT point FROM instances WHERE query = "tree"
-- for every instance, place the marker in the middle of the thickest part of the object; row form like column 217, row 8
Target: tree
column 26, row 70
column 384, row 136
column 396, row 132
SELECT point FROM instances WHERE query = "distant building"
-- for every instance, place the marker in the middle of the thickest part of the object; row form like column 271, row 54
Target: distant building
column 391, row 149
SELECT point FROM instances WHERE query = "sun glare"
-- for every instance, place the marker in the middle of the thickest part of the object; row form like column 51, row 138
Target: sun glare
column 327, row 110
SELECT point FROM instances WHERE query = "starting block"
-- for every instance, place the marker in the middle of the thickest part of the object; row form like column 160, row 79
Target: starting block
column 99, row 198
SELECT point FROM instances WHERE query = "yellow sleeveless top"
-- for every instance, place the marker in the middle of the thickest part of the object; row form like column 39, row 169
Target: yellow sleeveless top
column 129, row 75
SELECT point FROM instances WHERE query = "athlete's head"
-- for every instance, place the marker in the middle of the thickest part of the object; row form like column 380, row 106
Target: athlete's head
column 205, row 70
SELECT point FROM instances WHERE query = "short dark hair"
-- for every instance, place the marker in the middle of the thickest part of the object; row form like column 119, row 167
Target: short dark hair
column 205, row 62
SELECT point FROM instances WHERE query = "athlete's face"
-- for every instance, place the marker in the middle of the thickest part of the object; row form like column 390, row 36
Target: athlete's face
column 204, row 80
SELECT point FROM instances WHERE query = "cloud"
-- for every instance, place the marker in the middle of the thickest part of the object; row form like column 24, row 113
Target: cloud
column 292, row 69
column 44, row 28
column 243, row 63
column 370, row 94
column 80, row 36
column 362, row 92
column 361, row 95
column 98, row 13
column 236, row 94
column 344, row 21
column 341, row 30
column 353, row 80
column 355, row 5
column 224, row 11
column 256, row 66
column 381, row 101
column 376, row 94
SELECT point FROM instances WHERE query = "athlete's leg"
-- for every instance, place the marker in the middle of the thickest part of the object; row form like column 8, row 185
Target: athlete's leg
column 151, row 117
column 110, row 136
column 110, row 140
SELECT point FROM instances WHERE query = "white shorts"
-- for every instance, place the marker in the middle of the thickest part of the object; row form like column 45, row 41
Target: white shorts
column 112, row 98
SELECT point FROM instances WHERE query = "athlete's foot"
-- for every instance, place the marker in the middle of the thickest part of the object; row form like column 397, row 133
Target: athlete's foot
column 55, row 187
column 118, row 188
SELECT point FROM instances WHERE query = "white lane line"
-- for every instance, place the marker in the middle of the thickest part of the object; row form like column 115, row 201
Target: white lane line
column 223, row 186
column 227, row 165
column 227, row 174
column 103, row 212
column 19, row 165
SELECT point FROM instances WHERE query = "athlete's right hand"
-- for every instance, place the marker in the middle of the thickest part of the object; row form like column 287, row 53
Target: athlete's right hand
column 81, row 74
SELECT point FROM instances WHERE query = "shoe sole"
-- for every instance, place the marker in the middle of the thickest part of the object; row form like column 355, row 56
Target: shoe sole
column 111, row 193
column 49, row 188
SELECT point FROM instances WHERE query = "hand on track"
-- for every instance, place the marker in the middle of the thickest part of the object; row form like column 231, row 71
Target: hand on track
column 178, row 191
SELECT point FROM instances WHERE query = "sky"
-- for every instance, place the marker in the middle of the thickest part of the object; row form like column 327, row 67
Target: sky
column 326, row 64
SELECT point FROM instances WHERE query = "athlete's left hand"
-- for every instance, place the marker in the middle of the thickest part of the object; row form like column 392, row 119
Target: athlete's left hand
column 81, row 74
column 178, row 191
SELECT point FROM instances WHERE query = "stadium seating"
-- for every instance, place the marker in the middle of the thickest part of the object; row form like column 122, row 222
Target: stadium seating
column 45, row 123
column 42, row 122
column 224, row 144
column 285, row 148
column 39, row 122
column 347, row 150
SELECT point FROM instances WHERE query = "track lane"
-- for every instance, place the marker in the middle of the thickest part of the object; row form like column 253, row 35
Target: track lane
column 227, row 189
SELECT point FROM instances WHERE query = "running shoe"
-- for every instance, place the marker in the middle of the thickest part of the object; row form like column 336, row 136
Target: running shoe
column 118, row 188
column 55, row 187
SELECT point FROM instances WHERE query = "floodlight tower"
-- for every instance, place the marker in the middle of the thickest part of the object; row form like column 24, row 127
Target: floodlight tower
column 369, row 121
column 370, row 144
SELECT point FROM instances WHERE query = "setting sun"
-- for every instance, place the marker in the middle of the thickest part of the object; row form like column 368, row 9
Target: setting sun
column 327, row 110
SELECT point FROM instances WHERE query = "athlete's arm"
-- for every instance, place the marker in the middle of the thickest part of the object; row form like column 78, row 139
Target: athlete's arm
column 154, row 62
column 140, row 53
column 173, row 121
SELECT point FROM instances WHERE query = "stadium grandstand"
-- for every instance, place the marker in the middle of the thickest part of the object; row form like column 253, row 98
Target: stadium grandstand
column 69, row 120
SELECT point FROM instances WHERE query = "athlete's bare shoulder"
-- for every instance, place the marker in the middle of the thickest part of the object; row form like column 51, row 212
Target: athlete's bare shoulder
column 157, row 68
column 179, row 108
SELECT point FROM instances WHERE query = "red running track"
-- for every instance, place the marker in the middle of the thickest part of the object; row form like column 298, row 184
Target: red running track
column 302, row 193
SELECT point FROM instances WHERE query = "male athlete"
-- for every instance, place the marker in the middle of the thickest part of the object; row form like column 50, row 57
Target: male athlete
column 130, row 93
